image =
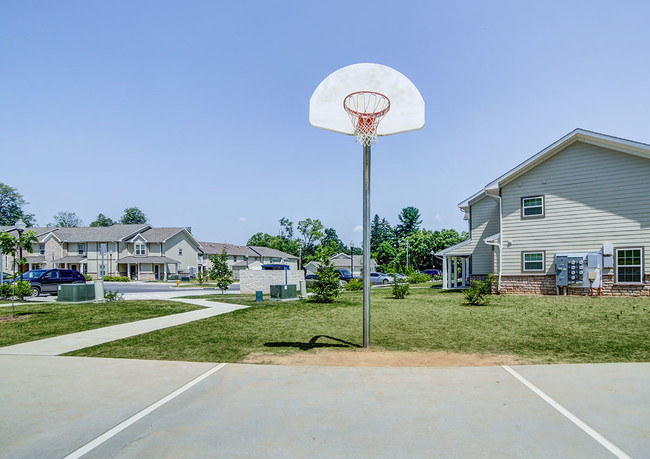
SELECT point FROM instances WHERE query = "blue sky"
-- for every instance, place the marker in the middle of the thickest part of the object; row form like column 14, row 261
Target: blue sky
column 197, row 111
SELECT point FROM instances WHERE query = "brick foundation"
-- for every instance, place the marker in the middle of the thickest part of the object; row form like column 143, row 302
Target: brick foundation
column 545, row 285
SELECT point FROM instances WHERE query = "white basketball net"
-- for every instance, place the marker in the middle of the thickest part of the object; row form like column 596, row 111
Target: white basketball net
column 366, row 109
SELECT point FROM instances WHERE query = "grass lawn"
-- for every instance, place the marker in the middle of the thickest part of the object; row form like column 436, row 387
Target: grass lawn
column 42, row 320
column 537, row 329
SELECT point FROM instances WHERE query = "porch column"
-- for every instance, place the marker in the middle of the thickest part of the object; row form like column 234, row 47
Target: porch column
column 139, row 269
column 164, row 271
column 445, row 275
column 455, row 272
column 463, row 270
column 128, row 270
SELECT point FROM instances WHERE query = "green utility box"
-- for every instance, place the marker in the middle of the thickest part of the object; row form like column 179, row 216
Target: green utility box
column 283, row 292
column 76, row 293
column 259, row 296
column 185, row 279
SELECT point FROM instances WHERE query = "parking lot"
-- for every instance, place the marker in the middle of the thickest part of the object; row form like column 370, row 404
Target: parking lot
column 60, row 406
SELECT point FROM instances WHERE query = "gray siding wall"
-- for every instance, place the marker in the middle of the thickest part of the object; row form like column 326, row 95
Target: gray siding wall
column 592, row 195
column 484, row 222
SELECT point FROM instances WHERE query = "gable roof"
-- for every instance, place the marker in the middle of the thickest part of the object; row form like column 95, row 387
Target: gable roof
column 99, row 233
column 163, row 234
column 213, row 248
column 267, row 252
column 577, row 135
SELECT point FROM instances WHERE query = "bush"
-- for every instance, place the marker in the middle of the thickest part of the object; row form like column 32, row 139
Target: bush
column 22, row 289
column 88, row 277
column 111, row 296
column 326, row 284
column 116, row 279
column 418, row 278
column 400, row 289
column 354, row 284
column 476, row 294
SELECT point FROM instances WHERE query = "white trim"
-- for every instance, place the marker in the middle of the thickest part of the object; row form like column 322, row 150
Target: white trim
column 640, row 266
column 453, row 247
column 535, row 252
column 523, row 206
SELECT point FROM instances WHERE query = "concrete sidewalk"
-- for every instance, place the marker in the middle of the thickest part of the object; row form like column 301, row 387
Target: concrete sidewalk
column 67, row 343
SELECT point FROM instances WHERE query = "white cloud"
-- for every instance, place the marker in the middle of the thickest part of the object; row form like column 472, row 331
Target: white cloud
column 438, row 217
column 358, row 229
column 243, row 219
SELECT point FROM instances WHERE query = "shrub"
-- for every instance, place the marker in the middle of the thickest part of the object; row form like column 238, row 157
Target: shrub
column 400, row 289
column 474, row 295
column 116, row 279
column 354, row 284
column 111, row 296
column 22, row 289
column 418, row 278
column 326, row 285
column 88, row 277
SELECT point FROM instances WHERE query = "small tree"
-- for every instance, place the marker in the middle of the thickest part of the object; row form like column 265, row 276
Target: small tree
column 133, row 215
column 220, row 271
column 10, row 245
column 66, row 219
column 103, row 220
column 326, row 285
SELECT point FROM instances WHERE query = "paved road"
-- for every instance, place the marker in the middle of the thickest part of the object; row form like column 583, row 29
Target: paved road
column 162, row 287
column 60, row 406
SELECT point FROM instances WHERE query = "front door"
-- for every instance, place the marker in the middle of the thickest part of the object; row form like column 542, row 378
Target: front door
column 156, row 272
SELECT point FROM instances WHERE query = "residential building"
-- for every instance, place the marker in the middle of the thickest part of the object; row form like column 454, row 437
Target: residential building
column 241, row 257
column 136, row 251
column 344, row 261
column 578, row 209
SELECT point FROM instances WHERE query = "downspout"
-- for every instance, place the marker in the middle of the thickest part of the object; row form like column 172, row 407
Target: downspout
column 501, row 239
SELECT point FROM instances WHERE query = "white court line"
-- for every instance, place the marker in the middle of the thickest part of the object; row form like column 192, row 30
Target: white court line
column 572, row 417
column 136, row 417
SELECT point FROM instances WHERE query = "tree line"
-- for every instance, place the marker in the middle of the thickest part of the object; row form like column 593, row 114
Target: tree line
column 11, row 210
column 400, row 248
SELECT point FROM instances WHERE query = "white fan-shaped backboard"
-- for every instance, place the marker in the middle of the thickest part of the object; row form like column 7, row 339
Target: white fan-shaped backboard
column 406, row 104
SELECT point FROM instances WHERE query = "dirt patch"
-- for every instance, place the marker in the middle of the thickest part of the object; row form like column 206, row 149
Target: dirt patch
column 374, row 358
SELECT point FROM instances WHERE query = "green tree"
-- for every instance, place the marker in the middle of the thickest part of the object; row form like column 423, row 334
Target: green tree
column 102, row 220
column 220, row 271
column 66, row 219
column 331, row 239
column 326, row 286
column 11, row 245
column 385, row 256
column 11, row 207
column 286, row 228
column 409, row 222
column 380, row 231
column 312, row 232
column 133, row 215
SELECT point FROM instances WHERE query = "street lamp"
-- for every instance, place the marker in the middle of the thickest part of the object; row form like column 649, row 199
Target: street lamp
column 352, row 258
column 432, row 260
column 20, row 227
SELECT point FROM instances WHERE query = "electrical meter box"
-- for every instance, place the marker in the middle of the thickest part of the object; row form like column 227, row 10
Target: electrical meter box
column 572, row 269
column 576, row 270
column 561, row 271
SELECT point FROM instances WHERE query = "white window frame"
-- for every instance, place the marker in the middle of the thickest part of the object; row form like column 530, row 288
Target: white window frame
column 536, row 270
column 81, row 249
column 640, row 265
column 523, row 207
column 139, row 251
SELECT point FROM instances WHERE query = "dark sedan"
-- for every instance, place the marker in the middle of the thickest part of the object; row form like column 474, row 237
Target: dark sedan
column 48, row 280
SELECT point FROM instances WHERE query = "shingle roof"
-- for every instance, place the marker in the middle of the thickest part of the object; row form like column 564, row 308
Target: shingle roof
column 213, row 248
column 156, row 260
column 99, row 233
column 267, row 252
column 39, row 231
column 157, row 234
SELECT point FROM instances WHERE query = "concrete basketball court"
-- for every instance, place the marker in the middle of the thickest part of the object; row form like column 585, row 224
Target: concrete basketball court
column 72, row 407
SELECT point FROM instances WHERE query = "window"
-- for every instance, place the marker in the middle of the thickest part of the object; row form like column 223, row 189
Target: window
column 532, row 207
column 628, row 265
column 532, row 261
column 180, row 251
column 140, row 249
column 81, row 249
column 234, row 258
column 41, row 249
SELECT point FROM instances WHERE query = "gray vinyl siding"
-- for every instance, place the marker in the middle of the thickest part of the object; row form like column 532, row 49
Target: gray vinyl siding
column 484, row 222
column 592, row 195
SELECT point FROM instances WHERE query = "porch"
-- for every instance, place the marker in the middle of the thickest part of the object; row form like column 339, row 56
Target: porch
column 147, row 268
column 456, row 265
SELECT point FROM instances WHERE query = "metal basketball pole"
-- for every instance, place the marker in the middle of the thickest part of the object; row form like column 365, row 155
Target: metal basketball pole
column 366, row 245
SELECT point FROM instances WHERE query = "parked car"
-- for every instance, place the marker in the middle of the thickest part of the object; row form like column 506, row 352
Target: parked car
column 379, row 278
column 400, row 277
column 48, row 280
column 309, row 278
column 344, row 274
column 432, row 272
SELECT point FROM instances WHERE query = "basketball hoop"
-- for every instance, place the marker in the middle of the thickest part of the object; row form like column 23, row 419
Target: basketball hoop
column 366, row 109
